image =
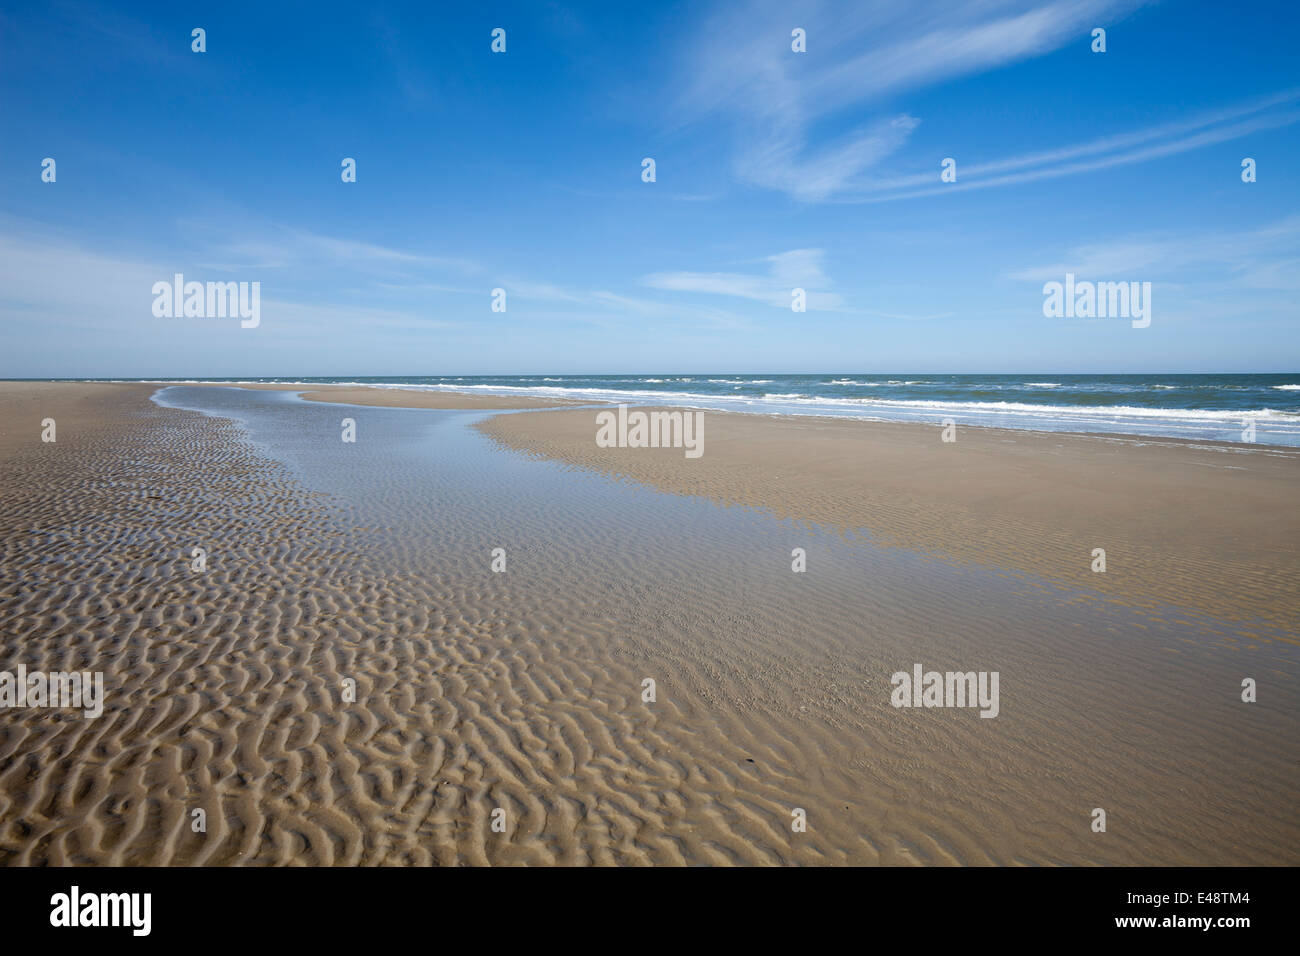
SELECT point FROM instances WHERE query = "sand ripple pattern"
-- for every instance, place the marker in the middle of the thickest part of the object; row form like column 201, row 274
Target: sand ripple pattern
column 225, row 688
column 522, row 691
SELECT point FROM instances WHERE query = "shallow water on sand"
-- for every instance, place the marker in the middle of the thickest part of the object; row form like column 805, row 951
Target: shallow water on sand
column 773, row 688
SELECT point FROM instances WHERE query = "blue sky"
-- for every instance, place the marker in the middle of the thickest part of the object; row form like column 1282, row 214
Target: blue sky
column 522, row 170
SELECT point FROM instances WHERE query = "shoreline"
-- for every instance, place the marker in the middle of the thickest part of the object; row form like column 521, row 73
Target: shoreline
column 393, row 397
column 414, row 396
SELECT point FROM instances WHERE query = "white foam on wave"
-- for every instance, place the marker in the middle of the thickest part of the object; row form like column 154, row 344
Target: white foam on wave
column 1221, row 424
column 1052, row 411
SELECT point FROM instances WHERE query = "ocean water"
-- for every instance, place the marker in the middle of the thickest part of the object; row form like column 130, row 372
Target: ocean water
column 1198, row 407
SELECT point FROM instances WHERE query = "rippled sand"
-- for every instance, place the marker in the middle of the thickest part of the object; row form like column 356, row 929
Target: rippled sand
column 1210, row 526
column 522, row 691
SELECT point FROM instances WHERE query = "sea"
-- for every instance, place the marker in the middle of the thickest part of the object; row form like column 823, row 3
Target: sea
column 1261, row 408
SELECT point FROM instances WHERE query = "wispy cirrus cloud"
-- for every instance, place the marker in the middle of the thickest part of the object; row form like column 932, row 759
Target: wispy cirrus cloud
column 89, row 286
column 77, row 285
column 797, row 268
column 279, row 247
column 774, row 99
column 1121, row 149
column 779, row 162
column 603, row 307
column 1257, row 259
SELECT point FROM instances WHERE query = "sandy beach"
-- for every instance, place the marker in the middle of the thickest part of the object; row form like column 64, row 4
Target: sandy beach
column 1202, row 526
column 349, row 681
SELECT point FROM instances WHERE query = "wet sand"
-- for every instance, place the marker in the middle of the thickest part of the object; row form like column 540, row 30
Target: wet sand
column 1206, row 526
column 522, row 691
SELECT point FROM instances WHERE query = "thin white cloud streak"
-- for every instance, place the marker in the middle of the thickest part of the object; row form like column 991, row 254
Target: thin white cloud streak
column 71, row 285
column 908, row 318
column 1106, row 144
column 295, row 247
column 797, row 268
column 743, row 69
column 944, row 50
column 1260, row 259
column 1205, row 138
column 741, row 61
column 601, row 307
column 311, row 318
column 777, row 162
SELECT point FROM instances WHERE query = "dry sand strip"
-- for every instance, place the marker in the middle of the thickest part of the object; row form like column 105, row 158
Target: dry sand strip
column 1204, row 526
